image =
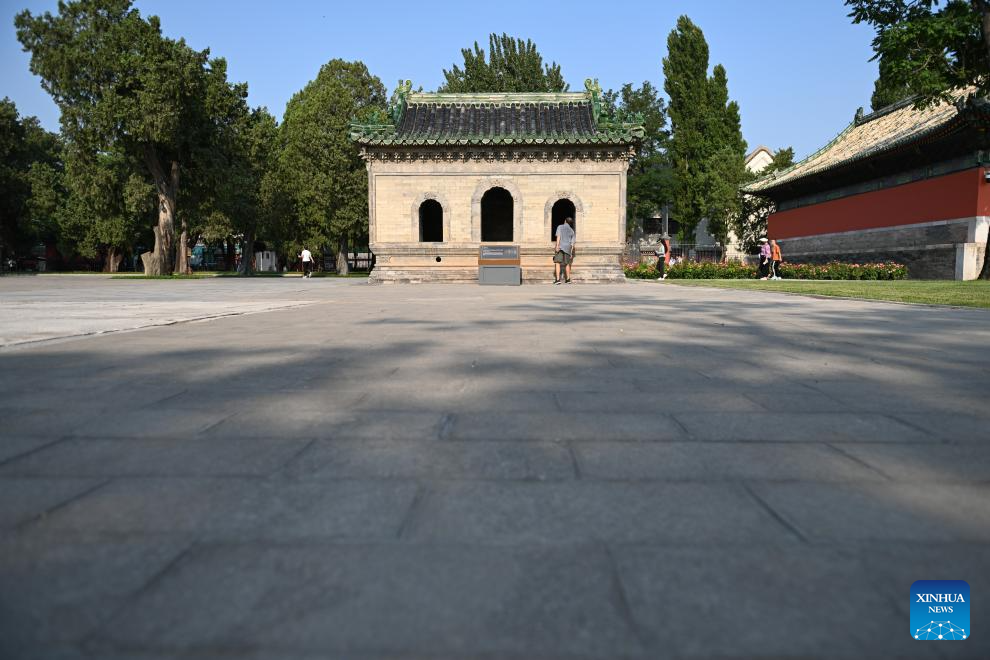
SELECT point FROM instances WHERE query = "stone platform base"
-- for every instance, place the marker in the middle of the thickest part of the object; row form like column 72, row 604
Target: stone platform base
column 598, row 264
column 951, row 249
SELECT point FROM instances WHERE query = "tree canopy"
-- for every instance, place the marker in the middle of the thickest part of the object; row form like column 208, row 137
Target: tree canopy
column 511, row 65
column 928, row 48
column 122, row 86
column 649, row 180
column 706, row 147
column 28, row 155
column 319, row 166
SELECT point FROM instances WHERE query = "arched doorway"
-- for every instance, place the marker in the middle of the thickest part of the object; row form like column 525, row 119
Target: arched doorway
column 496, row 215
column 430, row 222
column 562, row 208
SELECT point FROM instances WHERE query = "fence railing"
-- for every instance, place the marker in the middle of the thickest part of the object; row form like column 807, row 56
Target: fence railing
column 693, row 252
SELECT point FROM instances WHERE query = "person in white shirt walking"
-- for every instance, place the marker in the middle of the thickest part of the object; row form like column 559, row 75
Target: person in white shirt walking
column 307, row 262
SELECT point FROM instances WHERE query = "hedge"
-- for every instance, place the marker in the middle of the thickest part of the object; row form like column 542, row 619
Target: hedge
column 690, row 270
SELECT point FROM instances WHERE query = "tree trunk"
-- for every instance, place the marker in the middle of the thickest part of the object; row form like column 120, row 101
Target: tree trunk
column 159, row 260
column 112, row 262
column 182, row 255
column 228, row 254
column 343, row 266
column 247, row 254
column 182, row 252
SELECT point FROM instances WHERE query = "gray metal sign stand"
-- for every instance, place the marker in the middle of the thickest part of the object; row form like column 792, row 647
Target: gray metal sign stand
column 499, row 264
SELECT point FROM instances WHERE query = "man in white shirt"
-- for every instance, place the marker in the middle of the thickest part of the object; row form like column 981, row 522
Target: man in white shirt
column 307, row 261
column 563, row 251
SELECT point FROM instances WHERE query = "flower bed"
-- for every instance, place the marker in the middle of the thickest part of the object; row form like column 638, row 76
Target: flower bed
column 689, row 270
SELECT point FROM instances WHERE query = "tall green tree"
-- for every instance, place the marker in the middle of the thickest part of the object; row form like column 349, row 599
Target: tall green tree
column 649, row 180
column 319, row 166
column 28, row 155
column 511, row 65
column 706, row 149
column 931, row 49
column 121, row 86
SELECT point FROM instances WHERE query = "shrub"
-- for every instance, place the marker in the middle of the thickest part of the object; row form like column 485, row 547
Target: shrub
column 835, row 270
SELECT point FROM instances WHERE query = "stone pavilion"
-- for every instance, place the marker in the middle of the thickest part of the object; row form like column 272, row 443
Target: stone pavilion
column 448, row 173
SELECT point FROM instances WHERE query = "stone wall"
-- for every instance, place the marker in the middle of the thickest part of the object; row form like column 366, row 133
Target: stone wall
column 951, row 249
column 397, row 188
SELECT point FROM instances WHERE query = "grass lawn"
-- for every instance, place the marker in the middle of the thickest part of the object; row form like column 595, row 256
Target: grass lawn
column 928, row 292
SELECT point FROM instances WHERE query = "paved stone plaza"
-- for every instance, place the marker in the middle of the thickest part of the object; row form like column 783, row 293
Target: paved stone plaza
column 337, row 470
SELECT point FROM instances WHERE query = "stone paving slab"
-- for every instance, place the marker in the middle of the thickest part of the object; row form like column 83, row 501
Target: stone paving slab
column 694, row 461
column 429, row 600
column 765, row 602
column 799, row 427
column 235, row 508
column 553, row 513
column 338, row 459
column 919, row 463
column 153, row 457
column 432, row 472
column 25, row 499
column 889, row 511
column 60, row 589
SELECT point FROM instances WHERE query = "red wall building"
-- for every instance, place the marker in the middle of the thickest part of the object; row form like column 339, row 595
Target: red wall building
column 900, row 185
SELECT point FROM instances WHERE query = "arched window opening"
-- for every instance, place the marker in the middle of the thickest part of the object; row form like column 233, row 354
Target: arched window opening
column 562, row 208
column 430, row 222
column 496, row 215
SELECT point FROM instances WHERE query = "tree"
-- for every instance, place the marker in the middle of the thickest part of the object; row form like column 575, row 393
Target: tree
column 28, row 154
column 513, row 65
column 123, row 87
column 887, row 91
column 319, row 166
column 750, row 222
column 706, row 147
column 249, row 202
column 931, row 49
column 106, row 207
column 648, row 184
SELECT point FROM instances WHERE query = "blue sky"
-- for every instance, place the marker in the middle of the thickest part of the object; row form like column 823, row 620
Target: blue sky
column 798, row 68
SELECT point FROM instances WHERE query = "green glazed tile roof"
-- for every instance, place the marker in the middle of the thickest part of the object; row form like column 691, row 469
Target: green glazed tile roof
column 879, row 133
column 423, row 119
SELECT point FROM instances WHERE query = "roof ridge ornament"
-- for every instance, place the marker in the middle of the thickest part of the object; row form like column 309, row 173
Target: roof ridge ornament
column 397, row 104
column 594, row 91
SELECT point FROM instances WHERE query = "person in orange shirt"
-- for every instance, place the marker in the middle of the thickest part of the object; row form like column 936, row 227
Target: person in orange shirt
column 774, row 260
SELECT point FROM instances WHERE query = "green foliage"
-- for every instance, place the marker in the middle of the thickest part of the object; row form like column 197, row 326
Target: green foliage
column 843, row 271
column 125, row 89
column 750, row 223
column 927, row 47
column 887, row 91
column 734, row 270
column 707, row 150
column 692, row 270
column 28, row 158
column 649, row 182
column 319, row 167
column 512, row 65
column 106, row 205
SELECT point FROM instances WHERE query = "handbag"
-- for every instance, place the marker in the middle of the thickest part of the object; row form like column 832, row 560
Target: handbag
column 558, row 257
